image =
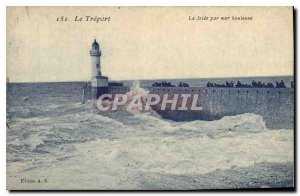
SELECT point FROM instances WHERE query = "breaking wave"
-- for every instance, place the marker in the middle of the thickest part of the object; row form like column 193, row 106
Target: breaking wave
column 70, row 135
column 156, row 144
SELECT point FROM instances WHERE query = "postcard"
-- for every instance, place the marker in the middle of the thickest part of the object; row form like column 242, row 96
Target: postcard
column 150, row 98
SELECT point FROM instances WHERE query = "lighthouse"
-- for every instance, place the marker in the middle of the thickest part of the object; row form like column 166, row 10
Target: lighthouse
column 95, row 53
column 99, row 82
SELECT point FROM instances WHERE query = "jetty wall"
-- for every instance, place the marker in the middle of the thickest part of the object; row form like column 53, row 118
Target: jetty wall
column 275, row 105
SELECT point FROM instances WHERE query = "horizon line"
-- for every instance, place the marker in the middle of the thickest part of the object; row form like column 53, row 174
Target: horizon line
column 153, row 79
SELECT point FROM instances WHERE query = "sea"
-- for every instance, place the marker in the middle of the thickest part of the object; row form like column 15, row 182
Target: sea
column 54, row 142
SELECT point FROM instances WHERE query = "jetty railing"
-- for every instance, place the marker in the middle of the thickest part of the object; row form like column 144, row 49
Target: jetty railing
column 86, row 94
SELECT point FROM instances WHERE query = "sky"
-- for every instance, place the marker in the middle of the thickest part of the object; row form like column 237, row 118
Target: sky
column 148, row 43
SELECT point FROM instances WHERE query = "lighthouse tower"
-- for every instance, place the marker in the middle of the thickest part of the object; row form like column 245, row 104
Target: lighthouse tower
column 99, row 82
column 95, row 57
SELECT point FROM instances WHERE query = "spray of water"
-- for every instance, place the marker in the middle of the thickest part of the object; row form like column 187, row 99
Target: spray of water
column 135, row 101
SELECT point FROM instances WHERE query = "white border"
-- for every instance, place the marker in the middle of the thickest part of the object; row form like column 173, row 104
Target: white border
column 151, row 3
column 4, row 3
